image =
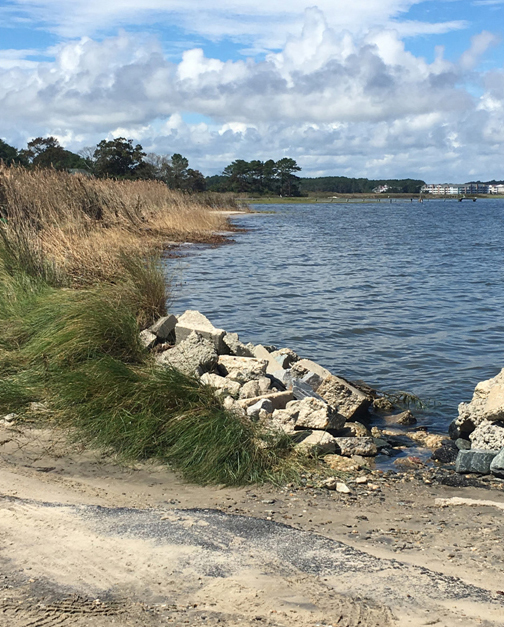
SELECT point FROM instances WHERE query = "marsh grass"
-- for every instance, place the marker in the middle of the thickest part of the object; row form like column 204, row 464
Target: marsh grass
column 79, row 277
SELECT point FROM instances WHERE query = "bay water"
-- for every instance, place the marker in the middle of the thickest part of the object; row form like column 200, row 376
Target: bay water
column 404, row 296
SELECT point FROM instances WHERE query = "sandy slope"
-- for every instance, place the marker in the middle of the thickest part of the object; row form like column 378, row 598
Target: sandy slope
column 86, row 542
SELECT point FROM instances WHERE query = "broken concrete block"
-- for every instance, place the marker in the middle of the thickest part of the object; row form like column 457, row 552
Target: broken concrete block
column 356, row 446
column 282, row 353
column 315, row 442
column 283, row 420
column 278, row 399
column 223, row 384
column 241, row 369
column 301, row 390
column 147, row 339
column 194, row 356
column 347, row 400
column 302, row 367
column 254, row 410
column 230, row 404
column 236, row 347
column 255, row 388
column 313, row 380
column 191, row 321
column 262, row 354
column 315, row 414
column 163, row 327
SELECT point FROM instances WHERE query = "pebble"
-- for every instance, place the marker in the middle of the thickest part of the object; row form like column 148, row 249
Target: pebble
column 342, row 488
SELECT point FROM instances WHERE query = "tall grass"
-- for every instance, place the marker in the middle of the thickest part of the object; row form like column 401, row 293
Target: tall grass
column 79, row 276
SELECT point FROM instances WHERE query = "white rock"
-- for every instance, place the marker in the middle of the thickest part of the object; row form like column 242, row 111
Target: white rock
column 241, row 369
column 223, row 384
column 193, row 356
column 194, row 321
column 163, row 327
column 345, row 398
column 315, row 414
column 342, row 488
column 230, row 404
column 255, row 388
column 254, row 410
column 487, row 436
column 147, row 339
column 316, row 441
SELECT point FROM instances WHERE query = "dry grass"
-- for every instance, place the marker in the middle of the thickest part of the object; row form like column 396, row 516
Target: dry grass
column 83, row 228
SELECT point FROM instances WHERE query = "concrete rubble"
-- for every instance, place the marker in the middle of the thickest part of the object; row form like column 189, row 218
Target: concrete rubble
column 325, row 414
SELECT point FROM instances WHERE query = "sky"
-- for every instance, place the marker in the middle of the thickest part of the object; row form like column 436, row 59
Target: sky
column 359, row 88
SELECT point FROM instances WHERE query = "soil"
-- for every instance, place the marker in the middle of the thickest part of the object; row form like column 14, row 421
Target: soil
column 86, row 541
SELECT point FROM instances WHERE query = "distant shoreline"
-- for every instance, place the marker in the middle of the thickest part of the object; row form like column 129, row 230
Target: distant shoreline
column 357, row 197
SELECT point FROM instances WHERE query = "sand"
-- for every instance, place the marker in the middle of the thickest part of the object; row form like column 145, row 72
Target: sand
column 89, row 542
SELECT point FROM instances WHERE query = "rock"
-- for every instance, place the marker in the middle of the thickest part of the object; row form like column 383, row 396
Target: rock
column 360, row 446
column 355, row 429
column 380, row 443
column 147, row 339
column 287, row 356
column 261, row 353
column 496, row 466
column 487, row 436
column 410, row 462
column 230, row 404
column 462, row 443
column 329, row 483
column 313, row 380
column 302, row 367
column 254, row 410
column 341, row 463
column 348, row 401
column 301, row 390
column 486, row 405
column 235, row 347
column 283, row 376
column 163, row 327
column 314, row 414
column 241, row 369
column 193, row 321
column 361, row 480
column 404, row 418
column 194, row 356
column 316, row 442
column 223, row 384
column 383, row 404
column 342, row 488
column 254, row 388
column 279, row 400
column 448, row 452
column 430, row 441
column 283, row 421
column 475, row 461
column 11, row 417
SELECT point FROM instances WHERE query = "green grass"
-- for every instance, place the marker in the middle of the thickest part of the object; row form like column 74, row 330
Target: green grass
column 79, row 352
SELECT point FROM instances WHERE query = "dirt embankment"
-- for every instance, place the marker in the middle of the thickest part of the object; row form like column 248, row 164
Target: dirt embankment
column 87, row 542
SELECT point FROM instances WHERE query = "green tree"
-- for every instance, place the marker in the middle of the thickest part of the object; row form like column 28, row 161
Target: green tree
column 288, row 181
column 120, row 159
column 46, row 152
column 11, row 155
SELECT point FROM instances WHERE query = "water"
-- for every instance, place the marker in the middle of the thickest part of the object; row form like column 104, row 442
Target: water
column 403, row 296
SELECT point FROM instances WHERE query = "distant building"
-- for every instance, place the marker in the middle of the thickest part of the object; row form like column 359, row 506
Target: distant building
column 458, row 189
column 380, row 189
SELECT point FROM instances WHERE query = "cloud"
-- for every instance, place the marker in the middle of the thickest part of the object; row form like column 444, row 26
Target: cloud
column 330, row 98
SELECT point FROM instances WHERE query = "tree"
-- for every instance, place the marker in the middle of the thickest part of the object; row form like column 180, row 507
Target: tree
column 46, row 152
column 120, row 159
column 10, row 155
column 288, row 182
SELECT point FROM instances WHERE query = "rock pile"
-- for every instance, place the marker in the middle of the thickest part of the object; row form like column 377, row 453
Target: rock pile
column 478, row 429
column 321, row 412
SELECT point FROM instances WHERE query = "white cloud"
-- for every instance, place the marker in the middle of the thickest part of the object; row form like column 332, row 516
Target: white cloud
column 330, row 98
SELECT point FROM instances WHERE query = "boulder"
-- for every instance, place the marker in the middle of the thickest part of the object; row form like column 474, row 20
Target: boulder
column 253, row 412
column 487, row 436
column 194, row 356
column 278, row 400
column 302, row 367
column 193, row 321
column 341, row 463
column 282, row 376
column 315, row 442
column 235, row 347
column 222, row 384
column 163, row 327
column 241, row 369
column 356, row 446
column 448, row 452
column 315, row 414
column 383, row 404
column 475, row 461
column 430, row 441
column 403, row 418
column 147, row 339
column 496, row 466
column 230, row 404
column 313, row 380
column 486, row 405
column 301, row 390
column 347, row 400
column 462, row 443
column 254, row 388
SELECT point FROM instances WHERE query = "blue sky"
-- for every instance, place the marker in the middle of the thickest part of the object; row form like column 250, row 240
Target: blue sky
column 377, row 88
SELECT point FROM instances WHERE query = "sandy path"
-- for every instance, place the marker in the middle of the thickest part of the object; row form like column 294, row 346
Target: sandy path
column 75, row 527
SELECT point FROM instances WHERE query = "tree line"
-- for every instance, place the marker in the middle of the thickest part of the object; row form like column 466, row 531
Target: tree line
column 349, row 185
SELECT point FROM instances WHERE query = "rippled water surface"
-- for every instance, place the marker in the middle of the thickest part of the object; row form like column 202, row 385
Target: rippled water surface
column 403, row 296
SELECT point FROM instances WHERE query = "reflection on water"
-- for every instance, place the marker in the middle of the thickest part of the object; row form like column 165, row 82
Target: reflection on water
column 403, row 296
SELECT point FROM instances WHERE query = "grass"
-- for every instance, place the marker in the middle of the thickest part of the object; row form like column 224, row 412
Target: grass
column 70, row 330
